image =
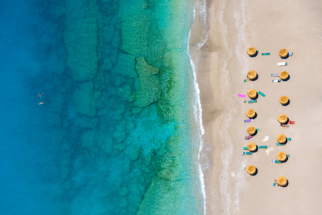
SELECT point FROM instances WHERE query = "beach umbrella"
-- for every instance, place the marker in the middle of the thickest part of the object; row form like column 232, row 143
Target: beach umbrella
column 251, row 74
column 281, row 156
column 281, row 138
column 252, row 93
column 283, row 53
column 284, row 75
column 283, row 100
column 251, row 130
column 251, row 169
column 251, row 147
column 282, row 181
column 282, row 118
column 250, row 113
column 251, row 51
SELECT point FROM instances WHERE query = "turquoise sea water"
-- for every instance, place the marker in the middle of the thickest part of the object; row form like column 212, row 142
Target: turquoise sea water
column 115, row 133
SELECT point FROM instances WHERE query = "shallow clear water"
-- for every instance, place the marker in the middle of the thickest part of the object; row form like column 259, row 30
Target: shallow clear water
column 114, row 135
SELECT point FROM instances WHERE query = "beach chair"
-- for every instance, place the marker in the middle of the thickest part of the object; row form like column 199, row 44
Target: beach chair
column 257, row 129
column 248, row 120
column 246, row 80
column 245, row 148
column 280, row 144
column 262, row 147
column 276, row 81
column 290, row 53
column 267, row 53
column 282, row 64
column 275, row 184
column 252, row 101
column 288, row 139
column 248, row 137
column 276, row 161
column 275, row 75
column 262, row 94
column 247, row 153
column 288, row 156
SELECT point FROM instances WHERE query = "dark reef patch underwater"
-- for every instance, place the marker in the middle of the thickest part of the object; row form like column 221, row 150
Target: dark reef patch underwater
column 115, row 133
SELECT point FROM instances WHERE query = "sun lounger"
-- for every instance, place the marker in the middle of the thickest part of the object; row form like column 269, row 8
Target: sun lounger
column 280, row 144
column 262, row 94
column 282, row 64
column 241, row 95
column 262, row 147
column 248, row 137
column 290, row 53
column 276, row 81
column 288, row 139
column 247, row 153
column 252, row 101
column 286, row 126
column 248, row 120
column 245, row 148
column 276, row 161
column 246, row 80
column 275, row 75
column 267, row 53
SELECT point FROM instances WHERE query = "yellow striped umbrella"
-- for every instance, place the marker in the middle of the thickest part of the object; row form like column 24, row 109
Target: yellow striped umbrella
column 251, row 74
column 282, row 181
column 284, row 75
column 281, row 156
column 252, row 93
column 281, row 138
column 250, row 113
column 282, row 118
column 283, row 53
column 251, row 51
column 251, row 130
column 251, row 169
column 251, row 147
column 283, row 100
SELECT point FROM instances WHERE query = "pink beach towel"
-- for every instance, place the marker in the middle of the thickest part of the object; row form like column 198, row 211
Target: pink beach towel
column 241, row 95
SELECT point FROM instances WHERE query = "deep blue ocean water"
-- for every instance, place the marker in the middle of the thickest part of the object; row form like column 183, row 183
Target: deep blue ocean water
column 114, row 135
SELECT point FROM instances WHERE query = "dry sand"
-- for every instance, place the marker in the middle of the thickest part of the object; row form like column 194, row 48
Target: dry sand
column 222, row 65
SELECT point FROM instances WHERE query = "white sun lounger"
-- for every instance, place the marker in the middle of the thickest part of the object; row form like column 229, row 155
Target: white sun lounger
column 282, row 64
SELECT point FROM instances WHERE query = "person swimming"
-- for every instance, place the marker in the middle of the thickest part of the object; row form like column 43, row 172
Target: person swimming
column 40, row 95
column 41, row 103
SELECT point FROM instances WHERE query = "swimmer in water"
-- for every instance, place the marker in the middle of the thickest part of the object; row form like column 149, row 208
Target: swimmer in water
column 40, row 95
column 41, row 103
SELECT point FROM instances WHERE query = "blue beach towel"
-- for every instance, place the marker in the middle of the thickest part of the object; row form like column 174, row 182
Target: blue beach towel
column 288, row 139
column 252, row 101
column 279, row 144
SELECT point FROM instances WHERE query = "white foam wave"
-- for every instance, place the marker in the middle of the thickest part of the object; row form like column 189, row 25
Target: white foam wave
column 202, row 16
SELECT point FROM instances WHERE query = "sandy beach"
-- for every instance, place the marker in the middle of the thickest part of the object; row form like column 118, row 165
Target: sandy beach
column 221, row 65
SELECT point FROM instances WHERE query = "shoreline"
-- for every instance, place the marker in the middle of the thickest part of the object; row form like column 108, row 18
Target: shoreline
column 197, row 38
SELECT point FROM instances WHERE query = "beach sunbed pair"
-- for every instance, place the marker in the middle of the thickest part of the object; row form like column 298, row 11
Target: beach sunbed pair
column 268, row 53
column 260, row 147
